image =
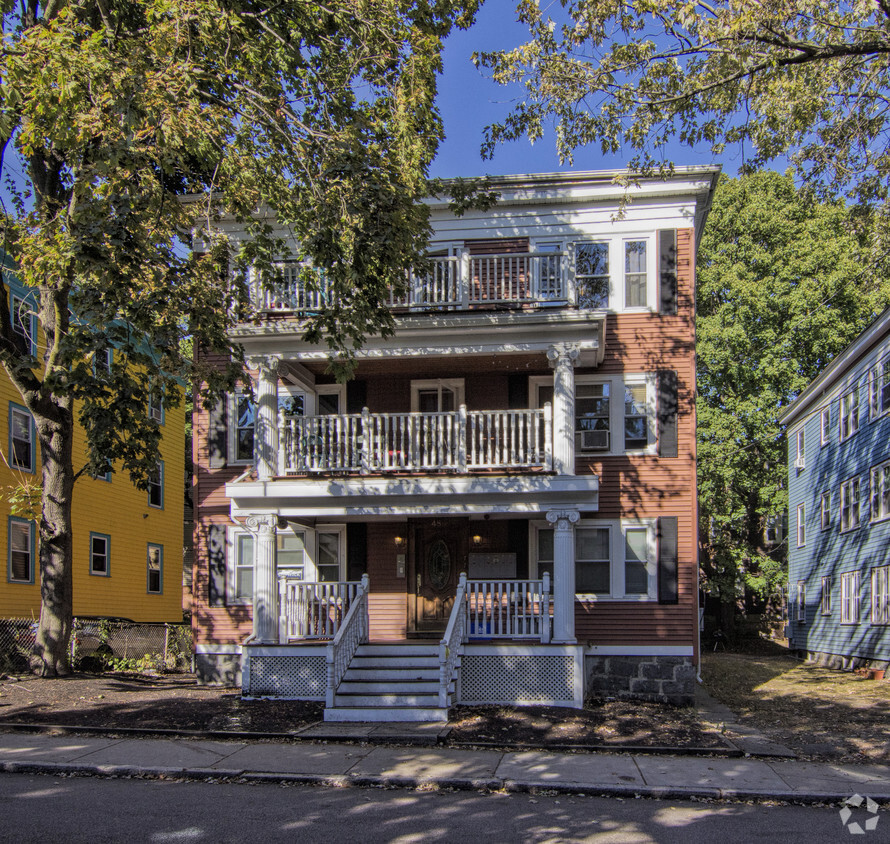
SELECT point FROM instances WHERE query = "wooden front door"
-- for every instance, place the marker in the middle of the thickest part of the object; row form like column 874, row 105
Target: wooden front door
column 438, row 554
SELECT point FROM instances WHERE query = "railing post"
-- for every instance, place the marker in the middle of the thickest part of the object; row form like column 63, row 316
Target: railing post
column 548, row 436
column 366, row 441
column 463, row 278
column 285, row 442
column 545, row 609
column 462, row 439
column 568, row 275
column 362, row 595
column 282, row 611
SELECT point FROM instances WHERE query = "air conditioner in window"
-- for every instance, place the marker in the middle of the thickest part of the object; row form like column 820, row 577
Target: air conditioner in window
column 799, row 463
column 594, row 441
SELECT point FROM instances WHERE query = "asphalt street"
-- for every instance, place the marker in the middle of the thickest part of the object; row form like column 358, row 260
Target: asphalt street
column 86, row 809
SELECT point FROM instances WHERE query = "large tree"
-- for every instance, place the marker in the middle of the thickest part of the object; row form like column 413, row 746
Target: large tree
column 783, row 285
column 126, row 128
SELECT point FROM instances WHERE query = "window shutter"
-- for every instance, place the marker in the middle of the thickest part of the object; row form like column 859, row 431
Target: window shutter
column 216, row 565
column 356, row 549
column 667, row 413
column 517, row 391
column 356, row 396
column 217, row 445
column 668, row 591
column 667, row 271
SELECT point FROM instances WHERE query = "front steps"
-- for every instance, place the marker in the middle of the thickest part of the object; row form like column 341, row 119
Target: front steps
column 391, row 682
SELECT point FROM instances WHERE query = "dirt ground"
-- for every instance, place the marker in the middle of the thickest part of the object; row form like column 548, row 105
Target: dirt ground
column 177, row 702
column 820, row 713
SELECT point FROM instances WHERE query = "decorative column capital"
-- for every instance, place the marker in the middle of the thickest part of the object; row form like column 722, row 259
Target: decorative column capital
column 265, row 525
column 563, row 519
column 264, row 363
column 565, row 353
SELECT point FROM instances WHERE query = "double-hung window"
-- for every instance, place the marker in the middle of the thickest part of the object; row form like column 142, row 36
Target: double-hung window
column 593, row 560
column 825, row 602
column 825, row 425
column 849, row 413
column 155, row 569
column 156, row 486
column 100, row 548
column 880, row 595
column 800, row 461
column 593, row 416
column 21, row 439
column 637, row 568
column 636, row 416
column 825, row 511
column 801, row 601
column 241, row 583
column 156, row 407
column 801, row 525
column 635, row 274
column 592, row 274
column 880, row 492
column 243, row 418
column 850, row 597
column 23, row 322
column 850, row 504
column 879, row 388
column 21, row 550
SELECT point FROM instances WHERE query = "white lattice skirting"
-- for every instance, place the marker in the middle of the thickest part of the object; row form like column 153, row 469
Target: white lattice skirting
column 302, row 677
column 502, row 676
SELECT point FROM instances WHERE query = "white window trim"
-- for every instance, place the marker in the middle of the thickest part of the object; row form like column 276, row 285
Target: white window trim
column 801, row 602
column 326, row 390
column 800, row 462
column 882, row 517
column 617, row 560
column 825, row 524
column 801, row 525
column 825, row 426
column 232, row 429
column 855, row 509
column 880, row 599
column 883, row 358
column 843, row 415
column 456, row 385
column 232, row 534
column 850, row 598
column 649, row 380
column 825, row 596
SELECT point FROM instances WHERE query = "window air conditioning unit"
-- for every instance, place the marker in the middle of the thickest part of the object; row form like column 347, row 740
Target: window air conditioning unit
column 799, row 463
column 594, row 440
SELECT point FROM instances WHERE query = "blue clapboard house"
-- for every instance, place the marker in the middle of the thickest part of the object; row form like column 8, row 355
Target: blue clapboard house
column 839, row 507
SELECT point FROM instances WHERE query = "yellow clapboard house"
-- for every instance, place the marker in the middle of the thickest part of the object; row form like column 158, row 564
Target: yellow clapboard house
column 127, row 543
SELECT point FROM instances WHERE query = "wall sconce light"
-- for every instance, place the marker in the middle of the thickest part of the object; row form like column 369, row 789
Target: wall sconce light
column 400, row 541
column 477, row 540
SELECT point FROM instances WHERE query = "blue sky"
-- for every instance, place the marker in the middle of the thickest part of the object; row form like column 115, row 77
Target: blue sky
column 469, row 101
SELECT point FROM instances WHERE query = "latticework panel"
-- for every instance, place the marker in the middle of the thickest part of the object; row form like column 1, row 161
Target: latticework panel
column 288, row 676
column 507, row 678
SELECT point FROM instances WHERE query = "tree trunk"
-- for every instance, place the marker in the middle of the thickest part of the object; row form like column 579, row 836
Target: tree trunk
column 55, row 433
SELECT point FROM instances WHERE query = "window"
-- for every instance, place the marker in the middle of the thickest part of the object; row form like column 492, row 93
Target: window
column 637, row 569
column 850, row 597
column 879, row 388
column 20, row 551
column 437, row 396
column 801, row 526
column 880, row 492
column 21, row 439
column 328, row 556
column 156, row 406
column 825, row 425
column 156, row 487
column 801, row 602
column 880, row 595
column 850, row 504
column 100, row 545
column 243, row 417
column 635, row 274
column 155, row 578
column 592, row 416
column 241, row 583
column 102, row 360
column 825, row 603
column 545, row 552
column 593, row 560
column 799, row 461
column 592, row 274
column 23, row 322
column 850, row 413
column 636, row 418
column 825, row 511
column 548, row 270
column 290, row 554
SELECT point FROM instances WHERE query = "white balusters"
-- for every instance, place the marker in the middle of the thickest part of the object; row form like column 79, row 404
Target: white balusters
column 509, row 609
column 313, row 610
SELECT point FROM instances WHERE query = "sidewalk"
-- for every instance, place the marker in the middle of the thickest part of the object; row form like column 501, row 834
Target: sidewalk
column 624, row 775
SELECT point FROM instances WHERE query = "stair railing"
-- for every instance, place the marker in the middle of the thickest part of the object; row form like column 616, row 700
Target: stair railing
column 451, row 646
column 352, row 633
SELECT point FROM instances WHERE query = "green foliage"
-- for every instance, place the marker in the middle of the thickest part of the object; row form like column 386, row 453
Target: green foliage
column 783, row 285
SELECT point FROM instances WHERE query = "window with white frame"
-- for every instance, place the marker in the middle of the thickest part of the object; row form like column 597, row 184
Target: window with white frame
column 799, row 461
column 329, row 555
column 880, row 595
column 880, row 492
column 100, row 545
column 21, row 439
column 155, row 565
column 825, row 425
column 636, row 416
column 593, row 560
column 635, row 273
column 850, row 597
column 825, row 511
column 241, row 427
column 156, row 486
column 825, row 598
column 850, row 504
column 291, row 554
column 20, row 560
column 547, row 270
column 879, row 388
column 801, row 602
column 592, row 274
column 156, row 406
column 440, row 395
column 849, row 413
column 593, row 412
column 22, row 321
column 638, row 569
column 240, row 589
column 103, row 359
column 544, row 548
column 801, row 526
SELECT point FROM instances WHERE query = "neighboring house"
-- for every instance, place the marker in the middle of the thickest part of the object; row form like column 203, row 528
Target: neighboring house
column 839, row 506
column 127, row 543
column 531, row 424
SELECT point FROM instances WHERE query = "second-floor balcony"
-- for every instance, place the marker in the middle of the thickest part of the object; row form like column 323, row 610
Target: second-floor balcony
column 459, row 441
column 453, row 282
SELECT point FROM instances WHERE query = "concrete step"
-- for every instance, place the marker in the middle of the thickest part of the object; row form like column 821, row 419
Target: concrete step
column 386, row 713
column 420, row 699
column 401, row 674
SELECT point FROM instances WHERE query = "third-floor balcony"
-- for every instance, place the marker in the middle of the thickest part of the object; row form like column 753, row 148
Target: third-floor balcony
column 453, row 282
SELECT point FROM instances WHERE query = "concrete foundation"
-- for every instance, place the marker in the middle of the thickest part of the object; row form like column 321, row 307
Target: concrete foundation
column 218, row 669
column 660, row 679
column 843, row 663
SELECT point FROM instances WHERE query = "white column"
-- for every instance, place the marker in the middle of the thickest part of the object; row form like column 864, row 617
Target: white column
column 563, row 522
column 265, row 591
column 562, row 359
column 266, row 428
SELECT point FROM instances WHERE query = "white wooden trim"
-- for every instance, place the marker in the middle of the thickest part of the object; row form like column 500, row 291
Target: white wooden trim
column 218, row 650
column 639, row 650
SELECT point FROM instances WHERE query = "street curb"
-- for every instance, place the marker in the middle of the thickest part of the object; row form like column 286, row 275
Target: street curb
column 456, row 783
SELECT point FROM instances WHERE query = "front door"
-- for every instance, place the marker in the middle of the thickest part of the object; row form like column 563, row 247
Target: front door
column 438, row 554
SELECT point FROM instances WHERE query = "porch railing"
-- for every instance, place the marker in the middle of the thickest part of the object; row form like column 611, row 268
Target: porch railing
column 453, row 282
column 451, row 645
column 459, row 441
column 353, row 632
column 512, row 609
column 313, row 610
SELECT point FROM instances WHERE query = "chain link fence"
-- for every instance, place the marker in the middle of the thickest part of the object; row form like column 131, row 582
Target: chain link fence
column 98, row 644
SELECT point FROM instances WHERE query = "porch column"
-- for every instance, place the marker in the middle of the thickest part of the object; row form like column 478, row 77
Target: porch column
column 266, row 427
column 562, row 359
column 265, row 591
column 563, row 522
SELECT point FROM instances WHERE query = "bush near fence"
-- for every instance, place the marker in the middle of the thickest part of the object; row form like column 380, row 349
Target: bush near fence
column 101, row 643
